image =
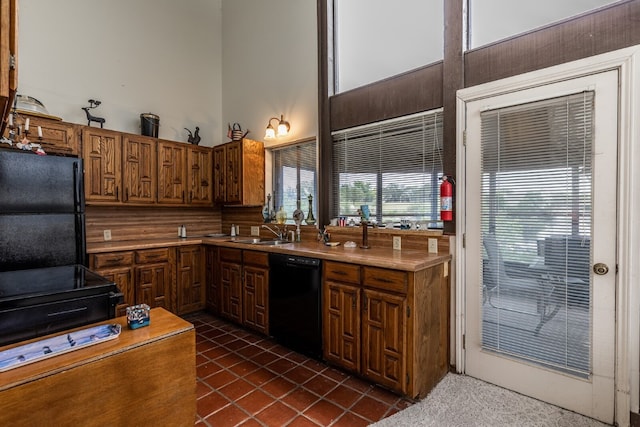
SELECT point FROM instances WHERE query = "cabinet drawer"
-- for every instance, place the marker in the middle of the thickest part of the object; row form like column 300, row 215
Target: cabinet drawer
column 152, row 255
column 260, row 259
column 114, row 259
column 388, row 280
column 232, row 255
column 341, row 272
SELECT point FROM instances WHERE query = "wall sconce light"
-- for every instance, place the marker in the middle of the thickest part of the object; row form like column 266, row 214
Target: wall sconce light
column 283, row 128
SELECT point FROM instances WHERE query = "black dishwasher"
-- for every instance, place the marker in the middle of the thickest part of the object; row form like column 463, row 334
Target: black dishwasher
column 295, row 317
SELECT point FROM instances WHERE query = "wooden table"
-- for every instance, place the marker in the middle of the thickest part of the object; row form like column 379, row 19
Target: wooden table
column 145, row 377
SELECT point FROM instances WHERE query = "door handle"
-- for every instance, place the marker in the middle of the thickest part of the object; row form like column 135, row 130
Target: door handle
column 600, row 268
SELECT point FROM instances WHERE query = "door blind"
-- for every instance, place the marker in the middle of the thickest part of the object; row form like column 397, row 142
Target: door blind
column 536, row 162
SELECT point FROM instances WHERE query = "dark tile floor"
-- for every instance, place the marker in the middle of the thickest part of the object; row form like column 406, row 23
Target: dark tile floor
column 245, row 379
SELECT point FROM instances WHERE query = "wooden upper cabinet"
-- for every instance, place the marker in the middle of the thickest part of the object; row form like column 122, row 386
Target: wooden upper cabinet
column 8, row 56
column 219, row 189
column 171, row 172
column 238, row 169
column 139, row 169
column 102, row 155
column 200, row 172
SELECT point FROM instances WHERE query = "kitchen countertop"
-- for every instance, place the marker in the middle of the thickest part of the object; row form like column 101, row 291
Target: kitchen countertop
column 385, row 257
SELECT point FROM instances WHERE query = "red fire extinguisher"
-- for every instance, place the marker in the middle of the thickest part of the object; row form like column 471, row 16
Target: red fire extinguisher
column 446, row 198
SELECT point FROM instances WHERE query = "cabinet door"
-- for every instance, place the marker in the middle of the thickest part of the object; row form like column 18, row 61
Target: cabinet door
column 191, row 284
column 255, row 298
column 102, row 162
column 219, row 174
column 153, row 284
column 171, row 172
column 8, row 50
column 341, row 324
column 57, row 136
column 200, row 175
column 139, row 163
column 233, row 175
column 123, row 278
column 384, row 338
column 212, row 274
column 231, row 291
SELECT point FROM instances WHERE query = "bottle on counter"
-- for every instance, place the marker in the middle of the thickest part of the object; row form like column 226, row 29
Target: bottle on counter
column 233, row 230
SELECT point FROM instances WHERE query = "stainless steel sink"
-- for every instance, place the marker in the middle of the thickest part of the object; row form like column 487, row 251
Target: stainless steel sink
column 258, row 241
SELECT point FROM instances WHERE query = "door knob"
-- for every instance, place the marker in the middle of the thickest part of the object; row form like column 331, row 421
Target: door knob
column 600, row 268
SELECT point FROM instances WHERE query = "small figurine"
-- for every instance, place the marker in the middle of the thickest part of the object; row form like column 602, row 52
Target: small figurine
column 90, row 118
column 193, row 138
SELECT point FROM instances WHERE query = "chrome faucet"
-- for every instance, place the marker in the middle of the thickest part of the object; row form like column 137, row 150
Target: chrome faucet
column 279, row 234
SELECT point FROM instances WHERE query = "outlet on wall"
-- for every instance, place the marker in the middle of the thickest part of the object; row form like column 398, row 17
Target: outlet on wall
column 255, row 230
column 433, row 246
column 397, row 242
column 107, row 235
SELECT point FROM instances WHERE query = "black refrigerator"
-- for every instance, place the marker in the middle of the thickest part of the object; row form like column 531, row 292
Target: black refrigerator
column 45, row 286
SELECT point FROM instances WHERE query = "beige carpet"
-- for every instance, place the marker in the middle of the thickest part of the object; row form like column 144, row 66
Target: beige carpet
column 459, row 400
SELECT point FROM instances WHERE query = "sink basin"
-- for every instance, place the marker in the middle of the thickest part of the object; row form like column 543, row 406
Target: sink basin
column 272, row 242
column 258, row 241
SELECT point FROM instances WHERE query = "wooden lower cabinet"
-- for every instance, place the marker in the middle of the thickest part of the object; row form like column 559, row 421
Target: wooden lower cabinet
column 255, row 290
column 244, row 288
column 231, row 284
column 212, row 277
column 143, row 276
column 190, row 280
column 389, row 326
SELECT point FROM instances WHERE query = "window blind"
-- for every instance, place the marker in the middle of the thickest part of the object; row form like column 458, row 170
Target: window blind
column 393, row 166
column 295, row 177
column 536, row 231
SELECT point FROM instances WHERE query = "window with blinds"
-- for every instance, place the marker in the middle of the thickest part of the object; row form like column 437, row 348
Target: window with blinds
column 536, row 231
column 393, row 166
column 295, row 177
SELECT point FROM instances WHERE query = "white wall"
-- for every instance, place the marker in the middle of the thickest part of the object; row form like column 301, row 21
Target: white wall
column 194, row 63
column 269, row 66
column 158, row 56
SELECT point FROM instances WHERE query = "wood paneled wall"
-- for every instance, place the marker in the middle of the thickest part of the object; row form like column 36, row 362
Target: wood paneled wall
column 130, row 223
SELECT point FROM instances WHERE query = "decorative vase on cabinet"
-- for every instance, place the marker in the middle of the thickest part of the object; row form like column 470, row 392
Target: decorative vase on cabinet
column 281, row 216
column 310, row 218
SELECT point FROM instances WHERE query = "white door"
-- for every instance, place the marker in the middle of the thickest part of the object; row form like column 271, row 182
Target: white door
column 540, row 201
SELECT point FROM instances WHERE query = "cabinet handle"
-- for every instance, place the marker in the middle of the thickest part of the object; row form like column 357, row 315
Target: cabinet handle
column 126, row 195
column 382, row 279
column 117, row 192
column 339, row 272
column 353, row 302
column 364, row 304
column 118, row 259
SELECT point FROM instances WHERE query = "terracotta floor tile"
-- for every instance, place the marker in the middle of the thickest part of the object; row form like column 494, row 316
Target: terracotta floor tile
column 236, row 389
column 210, row 404
column 212, row 333
column 300, row 399
column 370, row 409
column 280, row 350
column 323, row 412
column 335, row 374
column 243, row 368
column 299, row 374
column 207, row 369
column 314, row 365
column 227, row 417
column 220, row 379
column 251, row 423
column 302, row 421
column 255, row 401
column 281, row 366
column 223, row 339
column 277, row 414
column 320, row 385
column 200, row 359
column 236, row 344
column 204, row 346
column 350, row 420
column 384, row 395
column 248, row 351
column 229, row 360
column 358, row 384
column 278, row 387
column 260, row 376
column 343, row 396
column 297, row 357
column 202, row 389
column 264, row 358
column 215, row 352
